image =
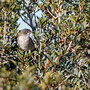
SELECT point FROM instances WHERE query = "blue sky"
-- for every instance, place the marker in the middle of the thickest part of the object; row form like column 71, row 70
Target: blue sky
column 24, row 25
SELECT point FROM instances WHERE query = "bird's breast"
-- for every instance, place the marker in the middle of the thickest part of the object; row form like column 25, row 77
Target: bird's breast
column 23, row 41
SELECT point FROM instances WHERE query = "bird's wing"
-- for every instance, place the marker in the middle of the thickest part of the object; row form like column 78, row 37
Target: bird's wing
column 31, row 41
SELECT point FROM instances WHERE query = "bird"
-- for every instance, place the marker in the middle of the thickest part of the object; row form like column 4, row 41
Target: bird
column 24, row 40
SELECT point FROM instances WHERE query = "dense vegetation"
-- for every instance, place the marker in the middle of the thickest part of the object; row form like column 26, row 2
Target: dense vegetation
column 61, row 37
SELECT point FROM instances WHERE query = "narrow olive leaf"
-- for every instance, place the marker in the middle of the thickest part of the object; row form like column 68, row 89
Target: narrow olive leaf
column 5, row 62
column 79, row 74
column 47, row 77
column 31, row 68
column 77, row 17
column 79, row 55
column 47, row 0
column 50, row 58
column 82, row 20
column 42, row 84
column 14, row 62
column 72, row 18
column 68, row 32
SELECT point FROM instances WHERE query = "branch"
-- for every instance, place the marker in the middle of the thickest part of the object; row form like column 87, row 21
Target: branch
column 83, row 77
column 59, row 14
column 5, row 26
column 69, row 46
column 51, row 14
column 29, row 3
column 25, row 21
column 64, row 81
column 65, row 11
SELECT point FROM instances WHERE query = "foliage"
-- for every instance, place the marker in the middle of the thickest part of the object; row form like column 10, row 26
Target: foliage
column 61, row 37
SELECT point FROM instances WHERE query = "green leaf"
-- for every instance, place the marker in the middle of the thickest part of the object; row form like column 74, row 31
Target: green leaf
column 72, row 18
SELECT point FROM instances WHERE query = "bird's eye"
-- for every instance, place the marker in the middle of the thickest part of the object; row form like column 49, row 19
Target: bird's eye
column 27, row 31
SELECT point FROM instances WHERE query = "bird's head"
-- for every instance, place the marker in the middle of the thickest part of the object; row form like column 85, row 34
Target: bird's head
column 24, row 32
column 24, row 40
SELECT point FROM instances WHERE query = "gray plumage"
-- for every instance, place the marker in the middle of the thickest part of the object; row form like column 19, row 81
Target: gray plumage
column 24, row 40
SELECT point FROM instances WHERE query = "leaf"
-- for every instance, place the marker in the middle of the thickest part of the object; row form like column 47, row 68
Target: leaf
column 31, row 68
column 68, row 32
column 79, row 55
column 8, row 1
column 47, row 77
column 43, row 85
column 72, row 18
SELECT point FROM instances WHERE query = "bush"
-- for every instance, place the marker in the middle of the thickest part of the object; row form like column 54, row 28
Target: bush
column 61, row 38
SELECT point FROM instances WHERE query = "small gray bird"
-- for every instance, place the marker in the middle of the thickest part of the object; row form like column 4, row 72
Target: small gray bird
column 24, row 40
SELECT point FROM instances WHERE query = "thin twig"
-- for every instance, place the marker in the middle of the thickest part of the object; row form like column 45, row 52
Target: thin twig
column 59, row 13
column 29, row 3
column 69, row 46
column 51, row 14
column 5, row 26
column 65, row 11
column 25, row 21
column 64, row 80
column 83, row 77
